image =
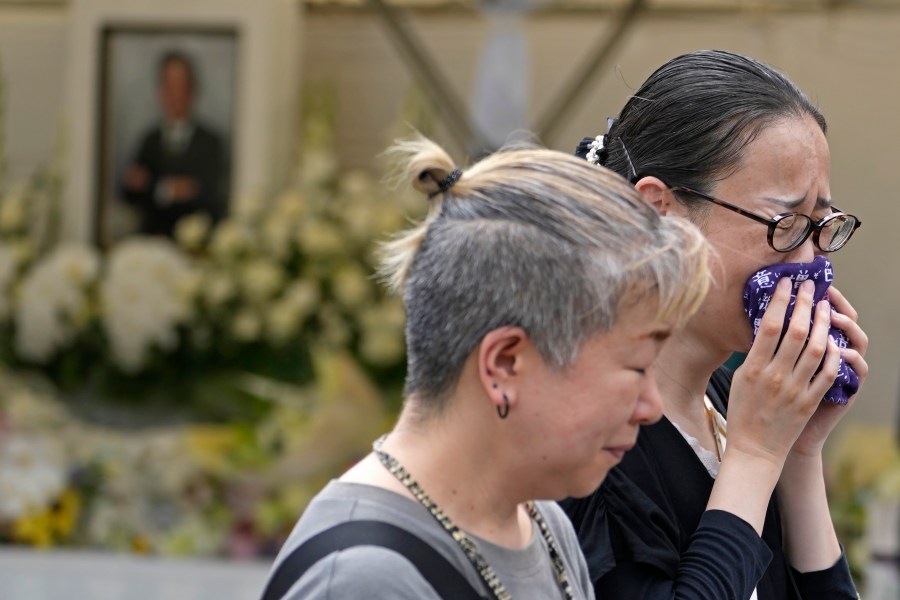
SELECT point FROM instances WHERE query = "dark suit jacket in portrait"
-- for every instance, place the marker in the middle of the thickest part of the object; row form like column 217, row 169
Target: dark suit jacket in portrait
column 202, row 157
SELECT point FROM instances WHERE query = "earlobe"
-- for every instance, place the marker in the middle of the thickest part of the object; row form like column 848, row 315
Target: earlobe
column 656, row 193
column 500, row 363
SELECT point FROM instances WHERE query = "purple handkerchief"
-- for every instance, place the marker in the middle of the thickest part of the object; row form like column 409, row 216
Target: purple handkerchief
column 758, row 293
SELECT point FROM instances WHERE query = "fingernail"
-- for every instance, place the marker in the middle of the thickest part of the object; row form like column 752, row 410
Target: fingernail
column 784, row 283
column 824, row 306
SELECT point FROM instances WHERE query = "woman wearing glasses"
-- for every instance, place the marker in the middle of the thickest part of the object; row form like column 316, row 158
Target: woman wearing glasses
column 734, row 146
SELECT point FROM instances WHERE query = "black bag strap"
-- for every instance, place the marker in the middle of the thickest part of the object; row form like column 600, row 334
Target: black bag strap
column 446, row 579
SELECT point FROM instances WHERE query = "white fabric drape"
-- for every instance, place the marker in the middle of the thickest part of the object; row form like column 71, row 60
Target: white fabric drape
column 500, row 93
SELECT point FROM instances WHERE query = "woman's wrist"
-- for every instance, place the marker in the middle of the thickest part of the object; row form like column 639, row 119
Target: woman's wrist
column 802, row 461
column 744, row 485
column 809, row 537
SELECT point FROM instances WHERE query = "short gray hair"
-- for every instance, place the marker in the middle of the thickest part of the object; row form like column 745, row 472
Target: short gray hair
column 531, row 238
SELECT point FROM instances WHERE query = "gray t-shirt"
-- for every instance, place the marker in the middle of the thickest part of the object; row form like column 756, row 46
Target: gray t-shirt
column 373, row 572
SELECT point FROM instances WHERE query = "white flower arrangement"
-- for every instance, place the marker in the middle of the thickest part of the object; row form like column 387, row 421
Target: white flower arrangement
column 54, row 303
column 273, row 308
column 146, row 295
column 32, row 473
column 260, row 279
column 280, row 275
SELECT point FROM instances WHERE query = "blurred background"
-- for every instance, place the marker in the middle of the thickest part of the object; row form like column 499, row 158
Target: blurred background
column 169, row 404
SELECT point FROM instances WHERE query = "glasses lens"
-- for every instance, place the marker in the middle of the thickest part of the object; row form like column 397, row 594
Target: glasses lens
column 790, row 231
column 836, row 231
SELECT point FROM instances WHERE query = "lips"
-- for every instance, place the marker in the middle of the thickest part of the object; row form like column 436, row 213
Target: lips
column 619, row 451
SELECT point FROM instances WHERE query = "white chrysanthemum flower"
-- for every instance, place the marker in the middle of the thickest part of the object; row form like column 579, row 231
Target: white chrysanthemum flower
column 335, row 330
column 360, row 219
column 381, row 347
column 351, row 287
column 290, row 206
column 382, row 332
column 32, row 474
column 144, row 299
column 191, row 231
column 285, row 317
column 30, row 410
column 281, row 322
column 229, row 240
column 303, row 295
column 219, row 287
column 387, row 314
column 278, row 236
column 53, row 303
column 319, row 238
column 188, row 285
column 261, row 279
column 80, row 265
column 247, row 326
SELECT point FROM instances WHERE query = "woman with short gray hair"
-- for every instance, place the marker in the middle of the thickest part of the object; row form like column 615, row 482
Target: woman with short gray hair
column 538, row 291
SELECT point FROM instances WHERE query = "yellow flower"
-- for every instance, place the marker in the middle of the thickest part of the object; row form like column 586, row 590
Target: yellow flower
column 141, row 544
column 65, row 514
column 210, row 446
column 34, row 528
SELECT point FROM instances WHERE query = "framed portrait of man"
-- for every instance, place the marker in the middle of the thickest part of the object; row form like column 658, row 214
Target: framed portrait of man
column 176, row 108
column 166, row 128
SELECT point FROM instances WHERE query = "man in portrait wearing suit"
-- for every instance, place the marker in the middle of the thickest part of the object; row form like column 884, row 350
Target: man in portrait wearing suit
column 180, row 167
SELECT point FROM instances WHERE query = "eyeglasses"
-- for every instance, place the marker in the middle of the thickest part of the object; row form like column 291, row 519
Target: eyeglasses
column 788, row 231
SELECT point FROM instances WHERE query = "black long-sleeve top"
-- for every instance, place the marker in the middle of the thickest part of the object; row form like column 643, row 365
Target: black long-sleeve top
column 646, row 532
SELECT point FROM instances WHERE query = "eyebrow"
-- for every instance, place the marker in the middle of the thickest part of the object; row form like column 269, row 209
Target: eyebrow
column 791, row 205
column 660, row 335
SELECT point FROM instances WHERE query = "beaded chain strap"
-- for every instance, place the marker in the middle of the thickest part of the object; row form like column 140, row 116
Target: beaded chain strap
column 468, row 546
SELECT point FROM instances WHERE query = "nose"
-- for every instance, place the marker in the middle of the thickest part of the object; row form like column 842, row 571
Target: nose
column 805, row 252
column 649, row 406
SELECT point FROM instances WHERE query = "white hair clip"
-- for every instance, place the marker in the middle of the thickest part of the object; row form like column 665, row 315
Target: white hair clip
column 595, row 147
